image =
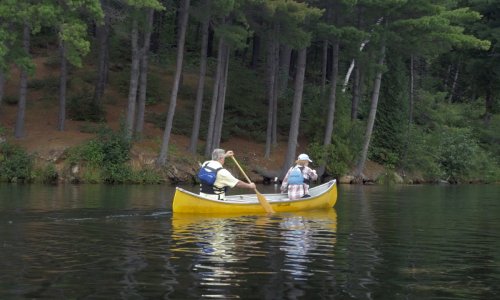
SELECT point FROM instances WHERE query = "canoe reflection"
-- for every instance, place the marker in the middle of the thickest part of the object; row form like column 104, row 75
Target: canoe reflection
column 227, row 250
column 302, row 231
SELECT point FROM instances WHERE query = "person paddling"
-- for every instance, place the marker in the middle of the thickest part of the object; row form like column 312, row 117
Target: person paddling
column 224, row 178
column 298, row 178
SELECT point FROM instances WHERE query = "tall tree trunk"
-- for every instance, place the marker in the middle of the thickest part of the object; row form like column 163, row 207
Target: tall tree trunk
column 296, row 109
column 447, row 77
column 356, row 93
column 454, row 84
column 162, row 158
column 210, row 46
column 488, row 105
column 371, row 118
column 410, row 111
column 332, row 100
column 63, row 82
column 333, row 95
column 324, row 67
column 255, row 51
column 201, row 86
column 143, row 76
column 103, row 57
column 274, row 130
column 215, row 97
column 326, row 45
column 270, row 88
column 276, row 62
column 134, row 80
column 23, row 87
column 222, row 98
column 285, row 57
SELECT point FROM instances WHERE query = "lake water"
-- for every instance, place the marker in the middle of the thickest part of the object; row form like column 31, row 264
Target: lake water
column 123, row 242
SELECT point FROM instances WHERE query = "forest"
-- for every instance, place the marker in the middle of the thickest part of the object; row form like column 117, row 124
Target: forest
column 412, row 85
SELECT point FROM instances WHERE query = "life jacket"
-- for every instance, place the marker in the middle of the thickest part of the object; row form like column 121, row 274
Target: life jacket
column 207, row 176
column 296, row 177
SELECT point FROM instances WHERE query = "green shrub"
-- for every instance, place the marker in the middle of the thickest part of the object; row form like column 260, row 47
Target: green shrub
column 388, row 177
column 117, row 173
column 15, row 163
column 91, row 174
column 103, row 158
column 115, row 147
column 147, row 176
column 90, row 154
column 337, row 157
column 460, row 156
column 47, row 174
column 421, row 155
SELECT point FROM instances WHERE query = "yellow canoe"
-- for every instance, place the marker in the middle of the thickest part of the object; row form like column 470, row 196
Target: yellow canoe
column 322, row 196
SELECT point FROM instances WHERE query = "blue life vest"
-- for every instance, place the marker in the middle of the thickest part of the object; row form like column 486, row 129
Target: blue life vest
column 207, row 176
column 295, row 176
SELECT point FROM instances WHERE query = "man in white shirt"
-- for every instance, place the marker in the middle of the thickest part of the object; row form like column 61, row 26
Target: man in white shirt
column 224, row 179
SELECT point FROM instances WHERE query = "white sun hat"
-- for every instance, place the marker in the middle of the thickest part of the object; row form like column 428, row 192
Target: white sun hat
column 304, row 156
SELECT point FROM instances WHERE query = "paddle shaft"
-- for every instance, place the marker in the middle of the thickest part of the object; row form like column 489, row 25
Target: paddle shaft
column 262, row 200
column 241, row 169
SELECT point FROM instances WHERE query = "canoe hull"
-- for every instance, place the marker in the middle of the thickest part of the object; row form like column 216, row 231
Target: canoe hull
column 187, row 202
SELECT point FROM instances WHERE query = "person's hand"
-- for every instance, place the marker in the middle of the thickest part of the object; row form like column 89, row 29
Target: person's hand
column 252, row 185
column 229, row 153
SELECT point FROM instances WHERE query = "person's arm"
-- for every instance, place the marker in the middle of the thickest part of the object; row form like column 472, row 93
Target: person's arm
column 312, row 174
column 242, row 184
column 284, row 184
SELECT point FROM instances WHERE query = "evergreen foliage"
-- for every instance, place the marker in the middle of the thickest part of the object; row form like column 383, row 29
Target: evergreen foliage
column 392, row 116
column 441, row 55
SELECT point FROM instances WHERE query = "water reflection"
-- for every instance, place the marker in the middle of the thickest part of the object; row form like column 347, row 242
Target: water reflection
column 303, row 235
column 123, row 242
column 228, row 251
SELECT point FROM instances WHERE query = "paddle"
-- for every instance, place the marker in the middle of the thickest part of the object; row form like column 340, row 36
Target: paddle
column 263, row 201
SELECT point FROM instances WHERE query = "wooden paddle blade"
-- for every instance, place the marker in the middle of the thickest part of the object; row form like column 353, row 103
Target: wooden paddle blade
column 263, row 202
